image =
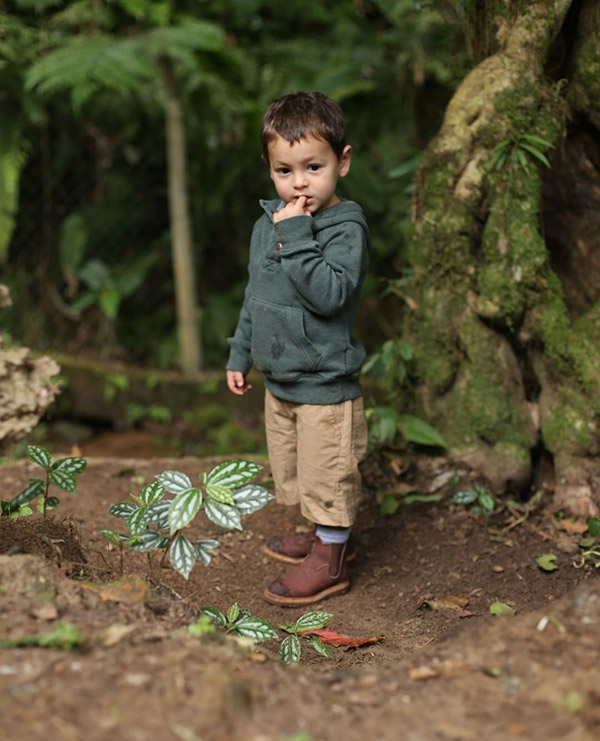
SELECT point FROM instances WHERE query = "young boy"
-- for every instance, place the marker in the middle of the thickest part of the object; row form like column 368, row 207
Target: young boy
column 308, row 257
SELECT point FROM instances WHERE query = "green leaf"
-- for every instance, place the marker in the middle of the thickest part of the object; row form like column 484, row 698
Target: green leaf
column 234, row 473
column 255, row 628
column 233, row 613
column 184, row 508
column 45, row 504
column 534, row 139
column 416, row 430
column 23, row 511
column 223, row 515
column 290, row 650
column 65, row 636
column 572, row 702
column 203, row 626
column 111, row 535
column 38, row 454
column 110, row 301
column 63, row 480
column 405, row 350
column 204, row 550
column 71, row 466
column 587, row 542
column 320, row 647
column 220, row 493
column 502, row 609
column 174, row 481
column 547, row 562
column 146, row 541
column 251, row 498
column 35, row 488
column 594, row 527
column 389, row 505
column 123, row 510
column 152, row 493
column 487, row 502
column 183, row 556
column 465, row 497
column 136, row 521
column 158, row 513
column 521, row 159
column 215, row 615
column 383, row 422
column 535, row 153
column 371, row 363
column 313, row 621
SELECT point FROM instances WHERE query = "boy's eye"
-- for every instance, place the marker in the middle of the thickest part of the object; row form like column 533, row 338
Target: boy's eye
column 314, row 167
column 282, row 170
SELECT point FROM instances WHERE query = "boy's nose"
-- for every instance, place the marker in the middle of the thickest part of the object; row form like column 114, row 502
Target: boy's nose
column 300, row 181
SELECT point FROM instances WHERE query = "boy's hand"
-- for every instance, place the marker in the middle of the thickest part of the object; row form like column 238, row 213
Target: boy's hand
column 293, row 208
column 236, row 383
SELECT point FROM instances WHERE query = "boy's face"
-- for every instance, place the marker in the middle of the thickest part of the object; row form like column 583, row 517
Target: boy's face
column 307, row 168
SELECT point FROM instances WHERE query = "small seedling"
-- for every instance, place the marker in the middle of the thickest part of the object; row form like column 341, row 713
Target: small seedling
column 518, row 152
column 478, row 500
column 240, row 621
column 237, row 620
column 62, row 473
column 501, row 609
column 590, row 547
column 65, row 637
column 290, row 650
column 547, row 562
column 156, row 522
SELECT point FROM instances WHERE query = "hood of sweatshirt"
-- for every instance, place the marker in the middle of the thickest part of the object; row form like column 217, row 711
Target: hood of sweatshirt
column 342, row 212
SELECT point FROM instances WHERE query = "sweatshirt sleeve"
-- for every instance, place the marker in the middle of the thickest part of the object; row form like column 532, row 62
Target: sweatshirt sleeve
column 324, row 276
column 240, row 358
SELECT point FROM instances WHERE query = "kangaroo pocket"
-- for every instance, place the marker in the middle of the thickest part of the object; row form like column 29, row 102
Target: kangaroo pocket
column 280, row 347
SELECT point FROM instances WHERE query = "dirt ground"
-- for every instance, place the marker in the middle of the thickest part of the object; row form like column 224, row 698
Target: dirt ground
column 423, row 581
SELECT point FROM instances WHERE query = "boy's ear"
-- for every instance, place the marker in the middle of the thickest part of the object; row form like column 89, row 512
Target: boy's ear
column 344, row 163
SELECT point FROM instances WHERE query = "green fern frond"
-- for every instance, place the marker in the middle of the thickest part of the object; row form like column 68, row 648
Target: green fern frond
column 193, row 35
column 82, row 14
column 86, row 65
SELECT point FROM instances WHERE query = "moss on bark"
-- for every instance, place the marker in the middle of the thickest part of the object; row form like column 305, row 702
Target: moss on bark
column 488, row 301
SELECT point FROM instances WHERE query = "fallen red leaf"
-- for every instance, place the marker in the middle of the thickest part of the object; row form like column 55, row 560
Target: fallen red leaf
column 339, row 639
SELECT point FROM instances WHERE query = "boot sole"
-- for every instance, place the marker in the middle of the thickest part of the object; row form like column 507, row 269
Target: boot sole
column 293, row 559
column 333, row 591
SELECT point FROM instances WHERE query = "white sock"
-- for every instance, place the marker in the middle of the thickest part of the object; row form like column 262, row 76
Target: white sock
column 332, row 534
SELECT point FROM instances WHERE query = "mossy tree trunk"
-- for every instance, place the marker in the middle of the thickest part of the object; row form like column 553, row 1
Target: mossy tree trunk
column 506, row 259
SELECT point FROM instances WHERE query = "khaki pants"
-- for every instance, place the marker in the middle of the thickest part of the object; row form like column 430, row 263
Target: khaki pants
column 314, row 451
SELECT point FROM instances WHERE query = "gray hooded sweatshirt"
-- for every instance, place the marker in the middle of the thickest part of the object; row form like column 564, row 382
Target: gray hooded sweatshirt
column 301, row 302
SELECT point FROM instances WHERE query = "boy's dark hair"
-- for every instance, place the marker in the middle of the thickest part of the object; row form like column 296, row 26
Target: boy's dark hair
column 300, row 115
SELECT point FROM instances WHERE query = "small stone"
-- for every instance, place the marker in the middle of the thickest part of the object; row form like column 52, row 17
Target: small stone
column 421, row 673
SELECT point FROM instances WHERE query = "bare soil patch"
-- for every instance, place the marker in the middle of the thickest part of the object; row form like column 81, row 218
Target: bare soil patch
column 423, row 581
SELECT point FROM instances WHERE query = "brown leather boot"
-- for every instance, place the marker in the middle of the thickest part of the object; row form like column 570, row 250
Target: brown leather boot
column 322, row 574
column 290, row 548
column 296, row 547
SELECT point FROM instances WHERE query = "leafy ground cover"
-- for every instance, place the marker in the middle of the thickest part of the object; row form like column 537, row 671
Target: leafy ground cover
column 437, row 664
